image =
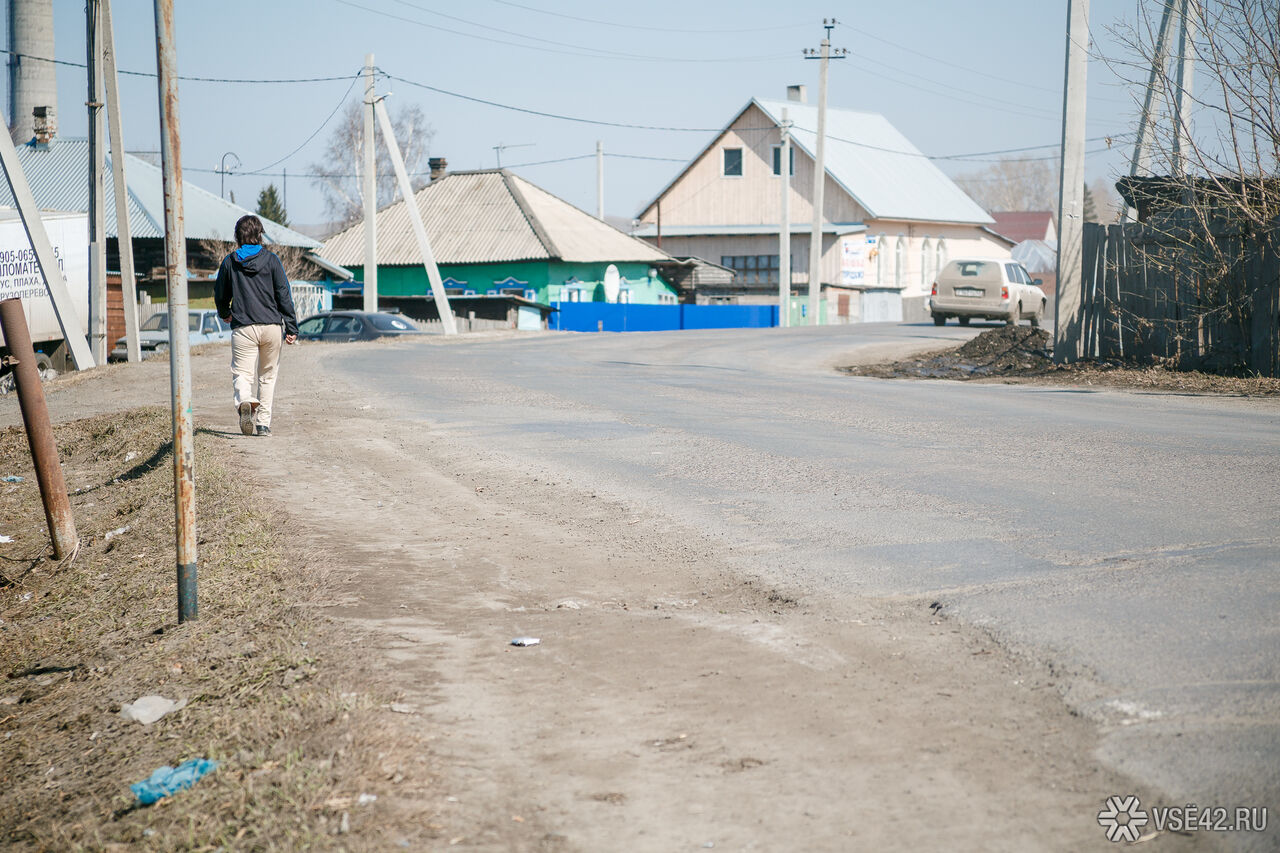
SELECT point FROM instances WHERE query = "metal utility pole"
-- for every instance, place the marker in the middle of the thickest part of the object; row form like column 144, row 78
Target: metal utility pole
column 369, row 194
column 599, row 180
column 784, row 230
column 97, row 200
column 35, row 416
column 124, row 237
column 1140, row 163
column 59, row 293
column 175, row 263
column 1067, row 338
column 1185, row 81
column 415, row 218
column 819, row 171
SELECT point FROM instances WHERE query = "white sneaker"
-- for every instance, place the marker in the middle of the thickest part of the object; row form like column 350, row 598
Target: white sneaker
column 246, row 418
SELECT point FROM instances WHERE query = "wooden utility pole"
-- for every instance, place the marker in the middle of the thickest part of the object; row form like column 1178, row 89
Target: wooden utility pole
column 124, row 236
column 819, row 172
column 415, row 219
column 784, row 230
column 1068, row 342
column 175, row 264
column 97, row 201
column 369, row 194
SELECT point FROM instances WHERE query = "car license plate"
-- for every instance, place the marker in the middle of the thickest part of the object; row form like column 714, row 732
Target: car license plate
column 968, row 291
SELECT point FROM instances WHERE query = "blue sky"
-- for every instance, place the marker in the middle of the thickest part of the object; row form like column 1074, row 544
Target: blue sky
column 954, row 77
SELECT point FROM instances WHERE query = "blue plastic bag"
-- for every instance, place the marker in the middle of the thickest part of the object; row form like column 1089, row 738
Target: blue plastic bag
column 171, row 780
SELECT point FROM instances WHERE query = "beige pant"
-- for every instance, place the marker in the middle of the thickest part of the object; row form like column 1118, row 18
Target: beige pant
column 255, row 356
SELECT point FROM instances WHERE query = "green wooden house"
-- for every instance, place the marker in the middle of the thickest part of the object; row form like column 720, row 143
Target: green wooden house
column 494, row 233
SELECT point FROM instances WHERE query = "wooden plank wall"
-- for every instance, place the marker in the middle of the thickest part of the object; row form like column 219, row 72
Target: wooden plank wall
column 1144, row 300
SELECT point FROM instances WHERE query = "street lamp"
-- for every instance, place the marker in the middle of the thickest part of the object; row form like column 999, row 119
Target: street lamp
column 222, row 184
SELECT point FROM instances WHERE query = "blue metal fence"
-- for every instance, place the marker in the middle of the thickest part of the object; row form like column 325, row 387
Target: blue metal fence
column 614, row 317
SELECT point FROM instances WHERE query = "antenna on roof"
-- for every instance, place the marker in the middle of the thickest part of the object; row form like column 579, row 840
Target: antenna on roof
column 500, row 147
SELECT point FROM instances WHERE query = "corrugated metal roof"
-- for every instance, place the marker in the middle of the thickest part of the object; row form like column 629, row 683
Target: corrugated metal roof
column 486, row 216
column 59, row 178
column 878, row 166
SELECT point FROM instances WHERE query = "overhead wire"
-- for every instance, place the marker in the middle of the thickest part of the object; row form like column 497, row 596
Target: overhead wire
column 650, row 28
column 188, row 78
column 575, row 51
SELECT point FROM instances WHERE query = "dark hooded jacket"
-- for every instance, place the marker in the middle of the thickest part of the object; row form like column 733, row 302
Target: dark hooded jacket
column 252, row 289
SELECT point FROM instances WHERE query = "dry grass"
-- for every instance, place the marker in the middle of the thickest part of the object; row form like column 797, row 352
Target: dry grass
column 278, row 694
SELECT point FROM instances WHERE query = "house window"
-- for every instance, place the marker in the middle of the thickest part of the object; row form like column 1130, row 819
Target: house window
column 777, row 159
column 940, row 255
column 733, row 163
column 899, row 261
column 753, row 269
column 925, row 273
column 882, row 249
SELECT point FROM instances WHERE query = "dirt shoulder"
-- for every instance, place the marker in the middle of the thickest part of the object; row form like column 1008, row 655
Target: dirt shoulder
column 1023, row 355
column 674, row 702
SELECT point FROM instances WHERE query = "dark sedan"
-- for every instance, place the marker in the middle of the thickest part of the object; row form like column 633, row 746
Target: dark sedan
column 354, row 326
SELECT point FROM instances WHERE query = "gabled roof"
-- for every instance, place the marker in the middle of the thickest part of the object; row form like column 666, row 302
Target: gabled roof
column 1019, row 225
column 490, row 215
column 872, row 161
column 59, row 179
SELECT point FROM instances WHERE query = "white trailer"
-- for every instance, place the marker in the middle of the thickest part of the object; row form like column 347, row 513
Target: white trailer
column 20, row 278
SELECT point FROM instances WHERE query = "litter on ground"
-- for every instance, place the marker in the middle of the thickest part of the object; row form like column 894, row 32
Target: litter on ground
column 166, row 781
column 148, row 709
column 525, row 641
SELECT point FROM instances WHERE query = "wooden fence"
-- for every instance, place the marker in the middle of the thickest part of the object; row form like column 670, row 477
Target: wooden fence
column 1152, row 296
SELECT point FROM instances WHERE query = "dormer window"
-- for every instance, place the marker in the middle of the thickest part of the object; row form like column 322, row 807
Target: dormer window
column 732, row 163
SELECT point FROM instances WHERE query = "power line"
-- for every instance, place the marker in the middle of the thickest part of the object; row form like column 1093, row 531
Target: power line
column 543, row 114
column 313, row 135
column 575, row 51
column 650, row 29
column 189, row 79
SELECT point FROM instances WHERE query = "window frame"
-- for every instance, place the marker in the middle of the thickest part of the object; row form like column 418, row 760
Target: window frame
column 724, row 162
column 775, row 160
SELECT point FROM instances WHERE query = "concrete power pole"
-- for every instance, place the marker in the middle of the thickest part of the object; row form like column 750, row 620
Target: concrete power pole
column 599, row 180
column 784, row 230
column 97, row 197
column 819, row 173
column 32, row 81
column 1068, row 342
column 369, row 194
column 1185, row 83
column 124, row 237
column 1141, row 160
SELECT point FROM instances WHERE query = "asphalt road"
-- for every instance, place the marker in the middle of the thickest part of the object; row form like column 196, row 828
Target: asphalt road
column 1127, row 539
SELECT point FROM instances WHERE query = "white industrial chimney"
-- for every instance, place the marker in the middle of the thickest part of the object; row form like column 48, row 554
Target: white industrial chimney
column 32, row 83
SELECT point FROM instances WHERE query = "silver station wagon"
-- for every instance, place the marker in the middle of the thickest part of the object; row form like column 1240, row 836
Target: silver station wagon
column 988, row 289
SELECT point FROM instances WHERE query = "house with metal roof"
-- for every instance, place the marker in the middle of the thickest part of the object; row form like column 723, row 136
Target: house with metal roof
column 58, row 171
column 890, row 217
column 493, row 232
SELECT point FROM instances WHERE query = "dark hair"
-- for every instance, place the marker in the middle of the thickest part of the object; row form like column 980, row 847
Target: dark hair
column 249, row 230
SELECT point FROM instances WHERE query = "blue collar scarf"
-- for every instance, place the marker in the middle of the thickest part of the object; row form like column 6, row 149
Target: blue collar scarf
column 247, row 251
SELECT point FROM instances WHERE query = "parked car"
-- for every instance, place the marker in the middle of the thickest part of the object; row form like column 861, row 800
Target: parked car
column 354, row 326
column 204, row 326
column 988, row 289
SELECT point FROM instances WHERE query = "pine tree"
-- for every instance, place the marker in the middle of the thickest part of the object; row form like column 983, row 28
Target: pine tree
column 269, row 206
column 1090, row 212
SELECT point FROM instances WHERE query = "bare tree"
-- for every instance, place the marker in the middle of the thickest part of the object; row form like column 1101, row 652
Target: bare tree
column 1013, row 183
column 1210, row 205
column 342, row 168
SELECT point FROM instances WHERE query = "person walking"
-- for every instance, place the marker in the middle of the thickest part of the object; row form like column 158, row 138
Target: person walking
column 252, row 294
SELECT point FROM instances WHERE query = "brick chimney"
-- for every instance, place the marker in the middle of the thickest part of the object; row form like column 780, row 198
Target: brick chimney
column 439, row 167
column 45, row 125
